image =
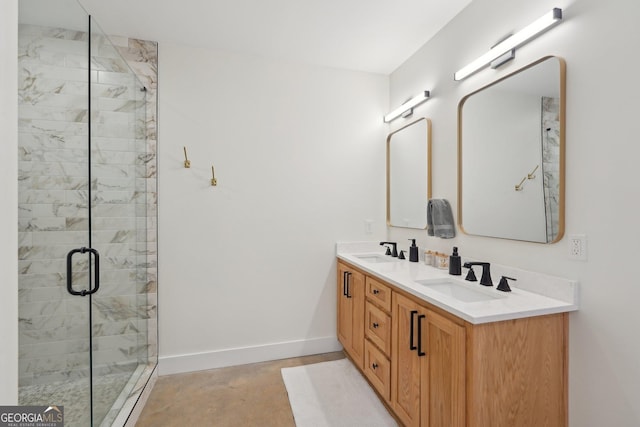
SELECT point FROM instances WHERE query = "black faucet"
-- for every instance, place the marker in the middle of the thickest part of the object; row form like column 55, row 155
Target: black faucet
column 394, row 252
column 504, row 284
column 485, row 280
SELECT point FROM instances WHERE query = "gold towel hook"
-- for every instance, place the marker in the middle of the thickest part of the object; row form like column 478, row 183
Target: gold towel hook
column 531, row 175
column 187, row 162
column 214, row 182
column 519, row 186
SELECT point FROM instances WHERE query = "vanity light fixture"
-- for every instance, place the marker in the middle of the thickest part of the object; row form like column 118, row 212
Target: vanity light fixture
column 407, row 107
column 506, row 46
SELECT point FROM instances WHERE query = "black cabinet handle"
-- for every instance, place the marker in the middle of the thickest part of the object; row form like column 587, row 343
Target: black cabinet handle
column 374, row 366
column 375, row 325
column 348, row 284
column 344, row 283
column 420, row 352
column 376, row 292
column 411, row 345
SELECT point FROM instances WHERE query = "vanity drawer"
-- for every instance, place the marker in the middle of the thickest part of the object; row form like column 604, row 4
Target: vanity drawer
column 379, row 293
column 378, row 328
column 377, row 368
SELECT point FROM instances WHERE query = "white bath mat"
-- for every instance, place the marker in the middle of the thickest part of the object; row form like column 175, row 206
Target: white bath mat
column 333, row 394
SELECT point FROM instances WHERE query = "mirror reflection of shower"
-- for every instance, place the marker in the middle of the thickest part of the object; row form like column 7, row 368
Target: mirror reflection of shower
column 501, row 138
column 550, row 158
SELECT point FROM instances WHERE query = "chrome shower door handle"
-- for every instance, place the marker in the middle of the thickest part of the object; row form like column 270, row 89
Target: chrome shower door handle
column 96, row 271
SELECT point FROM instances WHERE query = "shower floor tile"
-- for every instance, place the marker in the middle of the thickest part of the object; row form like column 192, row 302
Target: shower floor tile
column 74, row 396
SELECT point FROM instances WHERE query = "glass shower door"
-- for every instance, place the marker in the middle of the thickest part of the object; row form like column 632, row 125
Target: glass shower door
column 83, row 257
column 54, row 328
column 118, row 227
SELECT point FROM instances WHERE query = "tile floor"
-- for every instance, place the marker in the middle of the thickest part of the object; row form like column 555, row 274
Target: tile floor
column 73, row 394
column 246, row 395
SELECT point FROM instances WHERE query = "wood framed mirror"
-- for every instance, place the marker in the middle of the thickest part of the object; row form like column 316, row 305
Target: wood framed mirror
column 511, row 155
column 409, row 174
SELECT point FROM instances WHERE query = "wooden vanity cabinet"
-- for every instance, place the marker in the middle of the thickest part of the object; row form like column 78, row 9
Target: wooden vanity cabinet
column 442, row 371
column 351, row 288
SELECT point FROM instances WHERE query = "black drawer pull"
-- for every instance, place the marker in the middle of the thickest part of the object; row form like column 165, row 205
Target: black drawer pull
column 376, row 292
column 375, row 325
column 374, row 366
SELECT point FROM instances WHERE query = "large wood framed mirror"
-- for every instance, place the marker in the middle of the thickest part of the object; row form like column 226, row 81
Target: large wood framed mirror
column 409, row 174
column 511, row 155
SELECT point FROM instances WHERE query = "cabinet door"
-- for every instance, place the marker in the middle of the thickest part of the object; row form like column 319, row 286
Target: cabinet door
column 406, row 372
column 443, row 395
column 356, row 291
column 351, row 312
column 345, row 309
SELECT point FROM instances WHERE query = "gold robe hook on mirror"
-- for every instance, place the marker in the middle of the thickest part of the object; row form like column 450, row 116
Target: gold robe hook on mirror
column 519, row 186
column 531, row 175
column 214, row 182
column 187, row 162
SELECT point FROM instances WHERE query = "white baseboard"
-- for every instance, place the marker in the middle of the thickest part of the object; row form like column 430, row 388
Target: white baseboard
column 241, row 356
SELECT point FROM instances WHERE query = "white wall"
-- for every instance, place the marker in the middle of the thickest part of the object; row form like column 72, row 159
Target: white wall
column 9, row 205
column 598, row 40
column 247, row 268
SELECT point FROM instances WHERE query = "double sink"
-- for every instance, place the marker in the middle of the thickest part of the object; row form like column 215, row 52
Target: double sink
column 536, row 294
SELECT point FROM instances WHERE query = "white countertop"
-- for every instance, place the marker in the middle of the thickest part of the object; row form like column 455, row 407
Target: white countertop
column 533, row 294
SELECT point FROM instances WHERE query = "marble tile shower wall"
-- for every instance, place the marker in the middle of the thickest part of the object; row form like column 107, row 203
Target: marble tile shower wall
column 53, row 200
column 142, row 57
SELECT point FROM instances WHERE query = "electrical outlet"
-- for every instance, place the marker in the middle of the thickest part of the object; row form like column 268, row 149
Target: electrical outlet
column 368, row 224
column 578, row 247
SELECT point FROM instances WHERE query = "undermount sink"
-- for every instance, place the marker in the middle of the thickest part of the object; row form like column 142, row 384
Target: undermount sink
column 376, row 258
column 457, row 290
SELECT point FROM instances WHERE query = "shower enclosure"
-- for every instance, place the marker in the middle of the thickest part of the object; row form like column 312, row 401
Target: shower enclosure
column 87, row 217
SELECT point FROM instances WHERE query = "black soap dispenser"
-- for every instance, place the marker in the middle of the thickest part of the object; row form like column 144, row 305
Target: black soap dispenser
column 455, row 267
column 413, row 251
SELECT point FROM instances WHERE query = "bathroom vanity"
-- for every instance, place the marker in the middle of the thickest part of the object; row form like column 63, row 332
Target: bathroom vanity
column 442, row 352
